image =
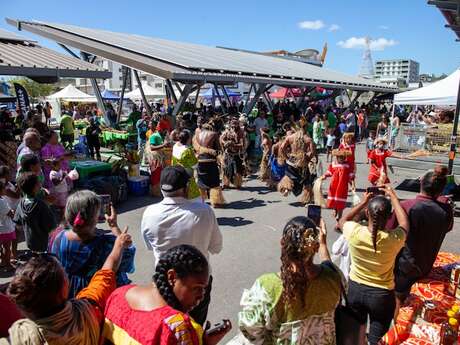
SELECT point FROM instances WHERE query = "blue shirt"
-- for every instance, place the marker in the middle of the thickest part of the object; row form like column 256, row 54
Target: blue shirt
column 142, row 128
column 342, row 127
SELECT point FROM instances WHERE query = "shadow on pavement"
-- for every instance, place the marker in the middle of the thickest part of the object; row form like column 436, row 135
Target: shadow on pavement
column 245, row 204
column 233, row 221
column 263, row 190
column 135, row 202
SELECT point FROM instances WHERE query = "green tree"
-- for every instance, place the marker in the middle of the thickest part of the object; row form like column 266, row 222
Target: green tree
column 34, row 89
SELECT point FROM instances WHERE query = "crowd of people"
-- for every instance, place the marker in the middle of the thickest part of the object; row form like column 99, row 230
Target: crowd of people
column 72, row 286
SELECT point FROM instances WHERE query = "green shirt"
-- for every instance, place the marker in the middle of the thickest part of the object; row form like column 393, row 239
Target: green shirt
column 67, row 125
column 331, row 119
column 156, row 139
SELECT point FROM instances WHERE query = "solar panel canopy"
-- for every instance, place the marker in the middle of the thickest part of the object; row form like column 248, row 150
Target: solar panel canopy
column 187, row 62
column 22, row 57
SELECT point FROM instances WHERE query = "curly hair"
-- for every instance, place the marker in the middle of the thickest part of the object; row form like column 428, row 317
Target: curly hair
column 298, row 246
column 37, row 284
column 186, row 261
column 379, row 209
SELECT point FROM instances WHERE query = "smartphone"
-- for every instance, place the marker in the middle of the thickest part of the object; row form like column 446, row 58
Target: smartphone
column 106, row 201
column 375, row 190
column 218, row 327
column 314, row 213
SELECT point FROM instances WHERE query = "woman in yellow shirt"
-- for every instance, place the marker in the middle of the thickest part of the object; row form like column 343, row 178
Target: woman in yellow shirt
column 373, row 252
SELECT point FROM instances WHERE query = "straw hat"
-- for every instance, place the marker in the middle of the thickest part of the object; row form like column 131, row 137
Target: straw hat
column 341, row 153
column 381, row 140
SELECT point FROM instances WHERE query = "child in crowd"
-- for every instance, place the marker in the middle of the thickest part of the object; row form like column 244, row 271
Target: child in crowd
column 59, row 188
column 370, row 144
column 33, row 213
column 341, row 174
column 7, row 230
column 378, row 170
column 348, row 144
column 11, row 197
column 330, row 143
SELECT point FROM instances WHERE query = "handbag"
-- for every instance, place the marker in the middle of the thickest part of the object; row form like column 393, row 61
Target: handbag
column 348, row 329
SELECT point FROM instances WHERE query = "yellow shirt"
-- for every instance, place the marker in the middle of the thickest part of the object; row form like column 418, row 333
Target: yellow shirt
column 368, row 267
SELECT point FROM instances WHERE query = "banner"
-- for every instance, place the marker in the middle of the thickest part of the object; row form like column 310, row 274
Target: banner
column 23, row 99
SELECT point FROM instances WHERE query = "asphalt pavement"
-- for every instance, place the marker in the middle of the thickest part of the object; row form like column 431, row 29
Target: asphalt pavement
column 251, row 224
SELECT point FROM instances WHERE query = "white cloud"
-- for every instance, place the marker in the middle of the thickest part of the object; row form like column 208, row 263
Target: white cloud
column 360, row 42
column 311, row 25
column 334, row 27
column 384, row 27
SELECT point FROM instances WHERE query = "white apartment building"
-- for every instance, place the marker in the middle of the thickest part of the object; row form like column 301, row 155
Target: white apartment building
column 406, row 69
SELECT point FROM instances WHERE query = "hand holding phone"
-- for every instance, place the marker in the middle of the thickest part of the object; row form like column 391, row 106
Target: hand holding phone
column 213, row 335
column 314, row 213
column 376, row 190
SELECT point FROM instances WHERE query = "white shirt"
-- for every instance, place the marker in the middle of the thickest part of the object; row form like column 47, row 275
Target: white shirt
column 6, row 223
column 62, row 186
column 176, row 221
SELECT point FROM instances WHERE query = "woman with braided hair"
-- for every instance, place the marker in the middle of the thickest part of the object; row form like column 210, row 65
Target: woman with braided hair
column 373, row 252
column 297, row 305
column 158, row 313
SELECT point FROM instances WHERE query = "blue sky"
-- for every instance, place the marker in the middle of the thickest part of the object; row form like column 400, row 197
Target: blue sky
column 399, row 28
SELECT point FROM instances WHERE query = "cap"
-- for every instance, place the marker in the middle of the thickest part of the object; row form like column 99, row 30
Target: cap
column 174, row 178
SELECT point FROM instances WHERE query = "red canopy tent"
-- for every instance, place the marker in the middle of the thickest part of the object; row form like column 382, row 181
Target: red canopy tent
column 286, row 92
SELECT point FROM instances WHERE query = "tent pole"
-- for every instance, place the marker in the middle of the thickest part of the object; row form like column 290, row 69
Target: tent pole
column 122, row 95
column 453, row 138
column 144, row 99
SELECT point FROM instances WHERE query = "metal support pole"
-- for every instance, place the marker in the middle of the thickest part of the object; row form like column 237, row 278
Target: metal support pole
column 268, row 101
column 453, row 138
column 182, row 99
column 248, row 96
column 176, row 84
column 144, row 99
column 123, row 87
column 259, row 91
column 226, row 95
column 197, row 95
column 171, row 91
column 304, row 94
column 224, row 108
column 97, row 92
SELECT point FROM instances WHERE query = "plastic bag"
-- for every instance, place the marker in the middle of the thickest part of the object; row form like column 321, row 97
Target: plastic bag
column 355, row 199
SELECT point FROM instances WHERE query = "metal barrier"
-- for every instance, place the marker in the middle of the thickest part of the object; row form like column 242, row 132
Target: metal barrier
column 414, row 137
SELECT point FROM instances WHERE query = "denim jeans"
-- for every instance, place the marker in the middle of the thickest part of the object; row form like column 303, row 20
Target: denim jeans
column 378, row 304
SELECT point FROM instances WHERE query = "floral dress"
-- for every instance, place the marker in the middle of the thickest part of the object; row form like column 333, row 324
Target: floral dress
column 266, row 319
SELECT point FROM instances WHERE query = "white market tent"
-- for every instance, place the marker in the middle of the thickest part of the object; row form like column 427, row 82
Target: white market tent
column 443, row 92
column 71, row 94
column 149, row 91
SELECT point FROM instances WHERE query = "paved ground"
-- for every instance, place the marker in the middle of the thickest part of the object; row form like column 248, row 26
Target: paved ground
column 251, row 225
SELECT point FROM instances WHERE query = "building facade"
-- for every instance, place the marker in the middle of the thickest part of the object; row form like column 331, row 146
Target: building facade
column 406, row 69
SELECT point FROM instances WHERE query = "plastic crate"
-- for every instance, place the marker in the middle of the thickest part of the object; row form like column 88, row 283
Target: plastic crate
column 138, row 185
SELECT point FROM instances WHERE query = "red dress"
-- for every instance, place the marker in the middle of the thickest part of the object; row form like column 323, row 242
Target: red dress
column 351, row 158
column 162, row 326
column 338, row 189
column 378, row 161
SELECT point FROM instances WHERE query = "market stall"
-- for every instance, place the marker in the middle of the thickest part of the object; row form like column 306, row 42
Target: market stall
column 421, row 317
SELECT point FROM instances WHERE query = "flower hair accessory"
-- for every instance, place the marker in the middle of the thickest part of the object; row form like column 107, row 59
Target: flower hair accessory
column 78, row 221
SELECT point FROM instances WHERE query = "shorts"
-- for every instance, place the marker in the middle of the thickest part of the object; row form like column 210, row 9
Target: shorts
column 8, row 237
column 329, row 149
